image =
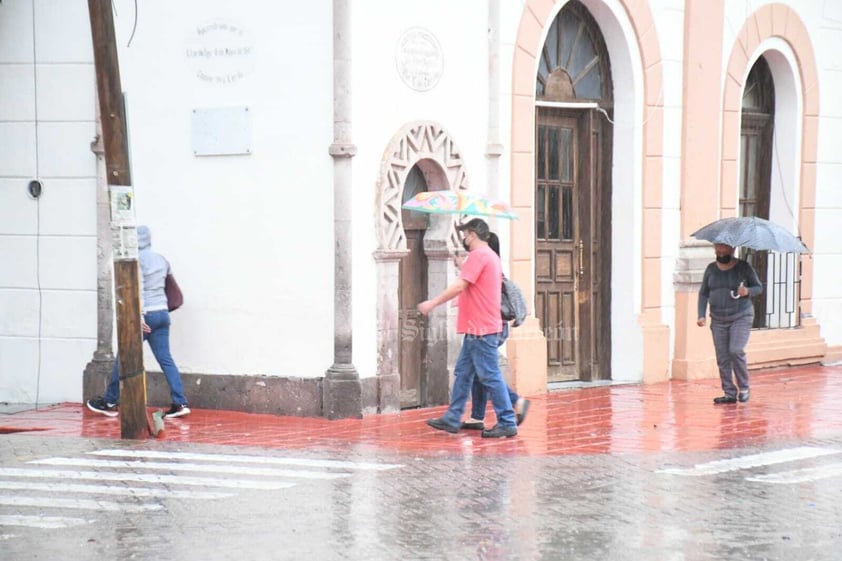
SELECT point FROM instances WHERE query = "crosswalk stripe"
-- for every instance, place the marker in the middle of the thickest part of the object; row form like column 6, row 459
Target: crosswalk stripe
column 49, row 522
column 173, row 466
column 802, row 475
column 303, row 462
column 112, row 490
column 84, row 504
column 752, row 461
column 148, row 478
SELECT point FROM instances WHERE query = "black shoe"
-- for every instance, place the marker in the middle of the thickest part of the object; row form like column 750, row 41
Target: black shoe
column 99, row 405
column 500, row 432
column 439, row 424
column 522, row 415
column 177, row 410
column 744, row 395
column 473, row 425
column 725, row 399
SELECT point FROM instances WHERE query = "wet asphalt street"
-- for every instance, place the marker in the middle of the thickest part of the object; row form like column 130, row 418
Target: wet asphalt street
column 92, row 499
column 651, row 472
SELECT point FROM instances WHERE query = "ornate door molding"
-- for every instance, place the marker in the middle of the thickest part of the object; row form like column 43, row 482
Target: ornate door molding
column 429, row 146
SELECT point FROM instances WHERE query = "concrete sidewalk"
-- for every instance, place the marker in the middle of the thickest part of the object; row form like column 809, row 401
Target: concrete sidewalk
column 786, row 404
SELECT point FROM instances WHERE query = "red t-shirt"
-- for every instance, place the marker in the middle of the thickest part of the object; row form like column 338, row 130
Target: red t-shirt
column 479, row 303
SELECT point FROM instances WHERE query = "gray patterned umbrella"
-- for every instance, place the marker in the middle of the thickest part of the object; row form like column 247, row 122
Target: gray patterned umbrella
column 751, row 232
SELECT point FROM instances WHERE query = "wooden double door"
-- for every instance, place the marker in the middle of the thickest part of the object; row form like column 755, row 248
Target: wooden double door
column 573, row 242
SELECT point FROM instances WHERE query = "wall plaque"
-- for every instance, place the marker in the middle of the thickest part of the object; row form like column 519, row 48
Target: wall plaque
column 221, row 131
column 419, row 59
column 220, row 53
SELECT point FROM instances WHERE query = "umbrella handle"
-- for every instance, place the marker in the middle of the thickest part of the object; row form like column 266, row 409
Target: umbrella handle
column 736, row 295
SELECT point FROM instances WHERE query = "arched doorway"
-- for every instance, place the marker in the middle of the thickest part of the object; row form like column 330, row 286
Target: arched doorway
column 573, row 143
column 414, row 257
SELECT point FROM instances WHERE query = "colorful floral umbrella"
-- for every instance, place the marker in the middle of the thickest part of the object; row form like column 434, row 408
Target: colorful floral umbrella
column 459, row 202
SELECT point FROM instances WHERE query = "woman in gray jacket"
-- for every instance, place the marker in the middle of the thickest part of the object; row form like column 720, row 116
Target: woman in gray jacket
column 728, row 285
column 156, row 331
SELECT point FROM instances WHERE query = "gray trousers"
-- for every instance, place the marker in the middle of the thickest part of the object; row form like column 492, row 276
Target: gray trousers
column 729, row 340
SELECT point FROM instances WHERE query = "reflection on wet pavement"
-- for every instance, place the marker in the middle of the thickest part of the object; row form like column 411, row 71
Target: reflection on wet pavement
column 678, row 415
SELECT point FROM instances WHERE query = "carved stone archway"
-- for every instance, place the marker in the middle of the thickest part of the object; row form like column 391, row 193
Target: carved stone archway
column 429, row 146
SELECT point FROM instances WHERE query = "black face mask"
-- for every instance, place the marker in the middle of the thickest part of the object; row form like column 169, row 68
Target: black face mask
column 465, row 244
column 724, row 259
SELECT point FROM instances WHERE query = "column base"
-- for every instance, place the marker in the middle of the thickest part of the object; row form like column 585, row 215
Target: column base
column 342, row 393
column 656, row 353
column 526, row 353
column 697, row 369
column 96, row 376
column 388, row 393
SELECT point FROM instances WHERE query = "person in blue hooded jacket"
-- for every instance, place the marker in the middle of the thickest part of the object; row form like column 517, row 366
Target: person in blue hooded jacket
column 156, row 331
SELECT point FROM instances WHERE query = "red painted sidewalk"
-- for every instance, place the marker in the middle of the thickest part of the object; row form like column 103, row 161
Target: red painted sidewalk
column 794, row 403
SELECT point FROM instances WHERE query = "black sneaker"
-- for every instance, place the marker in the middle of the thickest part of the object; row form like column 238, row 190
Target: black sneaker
column 744, row 395
column 177, row 410
column 99, row 405
column 725, row 399
column 498, row 431
column 440, row 424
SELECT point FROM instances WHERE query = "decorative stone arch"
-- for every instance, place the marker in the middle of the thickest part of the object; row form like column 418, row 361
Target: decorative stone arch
column 770, row 22
column 429, row 146
column 641, row 324
column 776, row 32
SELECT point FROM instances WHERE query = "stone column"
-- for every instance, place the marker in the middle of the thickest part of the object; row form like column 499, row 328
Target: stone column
column 389, row 330
column 98, row 370
column 342, row 396
column 694, row 356
column 493, row 148
column 443, row 344
column 700, row 180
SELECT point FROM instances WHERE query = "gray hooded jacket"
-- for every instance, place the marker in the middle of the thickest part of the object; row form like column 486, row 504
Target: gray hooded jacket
column 153, row 273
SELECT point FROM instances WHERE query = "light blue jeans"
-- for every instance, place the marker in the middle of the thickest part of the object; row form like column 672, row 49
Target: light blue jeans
column 159, row 341
column 478, row 357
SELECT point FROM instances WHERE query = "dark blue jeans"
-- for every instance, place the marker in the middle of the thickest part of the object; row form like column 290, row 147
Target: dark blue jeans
column 159, row 342
column 478, row 359
column 478, row 395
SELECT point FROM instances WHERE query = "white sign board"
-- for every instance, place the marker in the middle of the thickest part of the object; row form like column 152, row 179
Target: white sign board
column 221, row 131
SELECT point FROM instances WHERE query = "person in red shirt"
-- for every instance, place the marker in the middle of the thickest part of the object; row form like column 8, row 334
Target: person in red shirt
column 478, row 289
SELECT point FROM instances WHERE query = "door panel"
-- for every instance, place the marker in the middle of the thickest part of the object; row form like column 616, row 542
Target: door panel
column 572, row 262
column 555, row 246
column 413, row 275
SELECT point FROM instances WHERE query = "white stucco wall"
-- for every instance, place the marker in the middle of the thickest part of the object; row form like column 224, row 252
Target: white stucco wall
column 48, row 245
column 250, row 237
column 383, row 104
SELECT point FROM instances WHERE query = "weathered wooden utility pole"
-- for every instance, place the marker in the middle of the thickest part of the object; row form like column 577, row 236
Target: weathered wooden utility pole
column 134, row 422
